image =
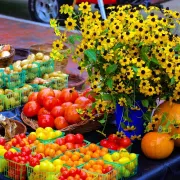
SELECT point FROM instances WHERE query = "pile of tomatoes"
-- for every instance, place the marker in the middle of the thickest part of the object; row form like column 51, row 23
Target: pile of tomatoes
column 59, row 109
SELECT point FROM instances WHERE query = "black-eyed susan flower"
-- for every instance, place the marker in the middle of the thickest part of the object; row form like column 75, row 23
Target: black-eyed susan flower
column 144, row 73
column 70, row 23
column 57, row 44
column 85, row 7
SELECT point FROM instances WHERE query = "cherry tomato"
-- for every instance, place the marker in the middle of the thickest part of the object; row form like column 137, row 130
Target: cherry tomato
column 89, row 94
column 50, row 102
column 43, row 111
column 69, row 145
column 57, row 111
column 72, row 172
column 2, row 141
column 104, row 142
column 26, row 150
column 44, row 93
column 8, row 155
column 112, row 145
column 22, row 135
column 63, row 169
column 71, row 115
column 70, row 138
column 60, row 122
column 112, row 138
column 34, row 161
column 33, row 96
column 82, row 101
column 65, row 174
column 83, row 175
column 45, row 121
column 125, row 142
column 69, row 95
column 31, row 109
column 79, row 138
column 60, row 141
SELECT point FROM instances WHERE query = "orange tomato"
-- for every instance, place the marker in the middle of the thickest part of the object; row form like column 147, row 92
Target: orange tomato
column 46, row 152
column 92, row 147
column 68, row 153
column 32, row 137
column 52, row 153
column 64, row 158
column 75, row 157
column 100, row 162
column 55, row 146
column 59, row 152
column 95, row 155
column 40, row 148
column 82, row 150
column 104, row 149
column 89, row 153
column 87, row 166
column 86, row 158
column 102, row 153
column 63, row 148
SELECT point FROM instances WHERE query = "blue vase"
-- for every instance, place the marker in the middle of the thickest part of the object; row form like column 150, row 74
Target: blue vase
column 135, row 115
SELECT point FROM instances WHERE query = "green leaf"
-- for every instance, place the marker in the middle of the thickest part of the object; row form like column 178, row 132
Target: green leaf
column 111, row 68
column 74, row 37
column 123, row 125
column 91, row 54
column 147, row 116
column 153, row 59
column 135, row 69
column 110, row 83
column 93, row 105
column 102, row 121
column 145, row 103
column 163, row 119
column 106, row 97
column 172, row 81
column 118, row 45
column 177, row 48
column 89, row 70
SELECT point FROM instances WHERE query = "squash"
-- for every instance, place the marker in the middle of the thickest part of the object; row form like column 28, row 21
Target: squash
column 173, row 115
column 157, row 145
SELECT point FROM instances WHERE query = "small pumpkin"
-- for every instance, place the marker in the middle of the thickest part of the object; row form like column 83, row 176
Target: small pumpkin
column 172, row 111
column 157, row 145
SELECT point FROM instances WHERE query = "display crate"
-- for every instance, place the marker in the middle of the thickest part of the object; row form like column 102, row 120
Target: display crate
column 14, row 80
column 45, row 67
column 15, row 171
column 1, row 78
column 128, row 169
column 111, row 175
column 11, row 100
column 59, row 83
column 48, row 141
column 1, row 102
column 3, row 164
column 32, row 72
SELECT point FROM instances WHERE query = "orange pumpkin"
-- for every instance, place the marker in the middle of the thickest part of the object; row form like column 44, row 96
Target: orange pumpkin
column 157, row 145
column 173, row 114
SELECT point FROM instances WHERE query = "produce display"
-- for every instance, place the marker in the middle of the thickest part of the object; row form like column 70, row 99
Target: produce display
column 68, row 157
column 54, row 108
column 5, row 50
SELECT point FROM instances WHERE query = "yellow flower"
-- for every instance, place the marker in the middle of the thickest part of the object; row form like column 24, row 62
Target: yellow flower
column 57, row 44
column 53, row 23
column 144, row 73
column 84, row 7
column 70, row 24
column 122, row 101
column 66, row 9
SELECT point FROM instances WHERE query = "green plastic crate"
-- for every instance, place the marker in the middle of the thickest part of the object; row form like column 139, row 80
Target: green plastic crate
column 48, row 141
column 126, row 170
column 12, row 100
column 1, row 102
column 45, row 67
column 32, row 72
column 15, row 171
column 25, row 92
column 3, row 164
column 112, row 175
column 14, row 80
column 1, row 78
column 59, row 83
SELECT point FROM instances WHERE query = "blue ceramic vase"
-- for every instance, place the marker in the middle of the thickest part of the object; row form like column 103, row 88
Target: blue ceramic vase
column 135, row 115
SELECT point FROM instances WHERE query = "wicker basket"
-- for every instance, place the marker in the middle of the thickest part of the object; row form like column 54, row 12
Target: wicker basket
column 46, row 49
column 81, row 127
column 6, row 61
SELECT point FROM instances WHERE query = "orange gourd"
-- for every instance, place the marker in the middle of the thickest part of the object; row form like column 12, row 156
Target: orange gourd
column 157, row 145
column 173, row 114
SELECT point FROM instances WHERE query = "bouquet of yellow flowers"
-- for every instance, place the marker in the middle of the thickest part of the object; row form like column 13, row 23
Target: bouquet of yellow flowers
column 132, row 55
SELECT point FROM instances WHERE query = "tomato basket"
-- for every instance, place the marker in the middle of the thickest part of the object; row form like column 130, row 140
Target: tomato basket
column 126, row 170
column 15, row 171
column 45, row 67
column 51, row 140
column 111, row 175
column 33, row 174
column 14, row 80
column 127, row 148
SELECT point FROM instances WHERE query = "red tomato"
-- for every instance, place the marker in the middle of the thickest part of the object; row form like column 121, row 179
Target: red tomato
column 125, row 142
column 82, row 101
column 76, row 146
column 112, row 138
column 60, row 141
column 104, row 142
column 31, row 109
column 109, row 168
column 57, row 111
column 50, row 102
column 57, row 93
column 112, row 145
column 70, row 138
column 69, row 95
column 45, row 121
column 44, row 93
column 64, row 169
column 33, row 96
column 26, row 150
column 83, row 175
column 60, row 122
column 89, row 94
column 71, row 115
column 43, row 111
column 66, row 105
column 69, row 145
column 8, row 155
column 79, row 138
column 2, row 141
